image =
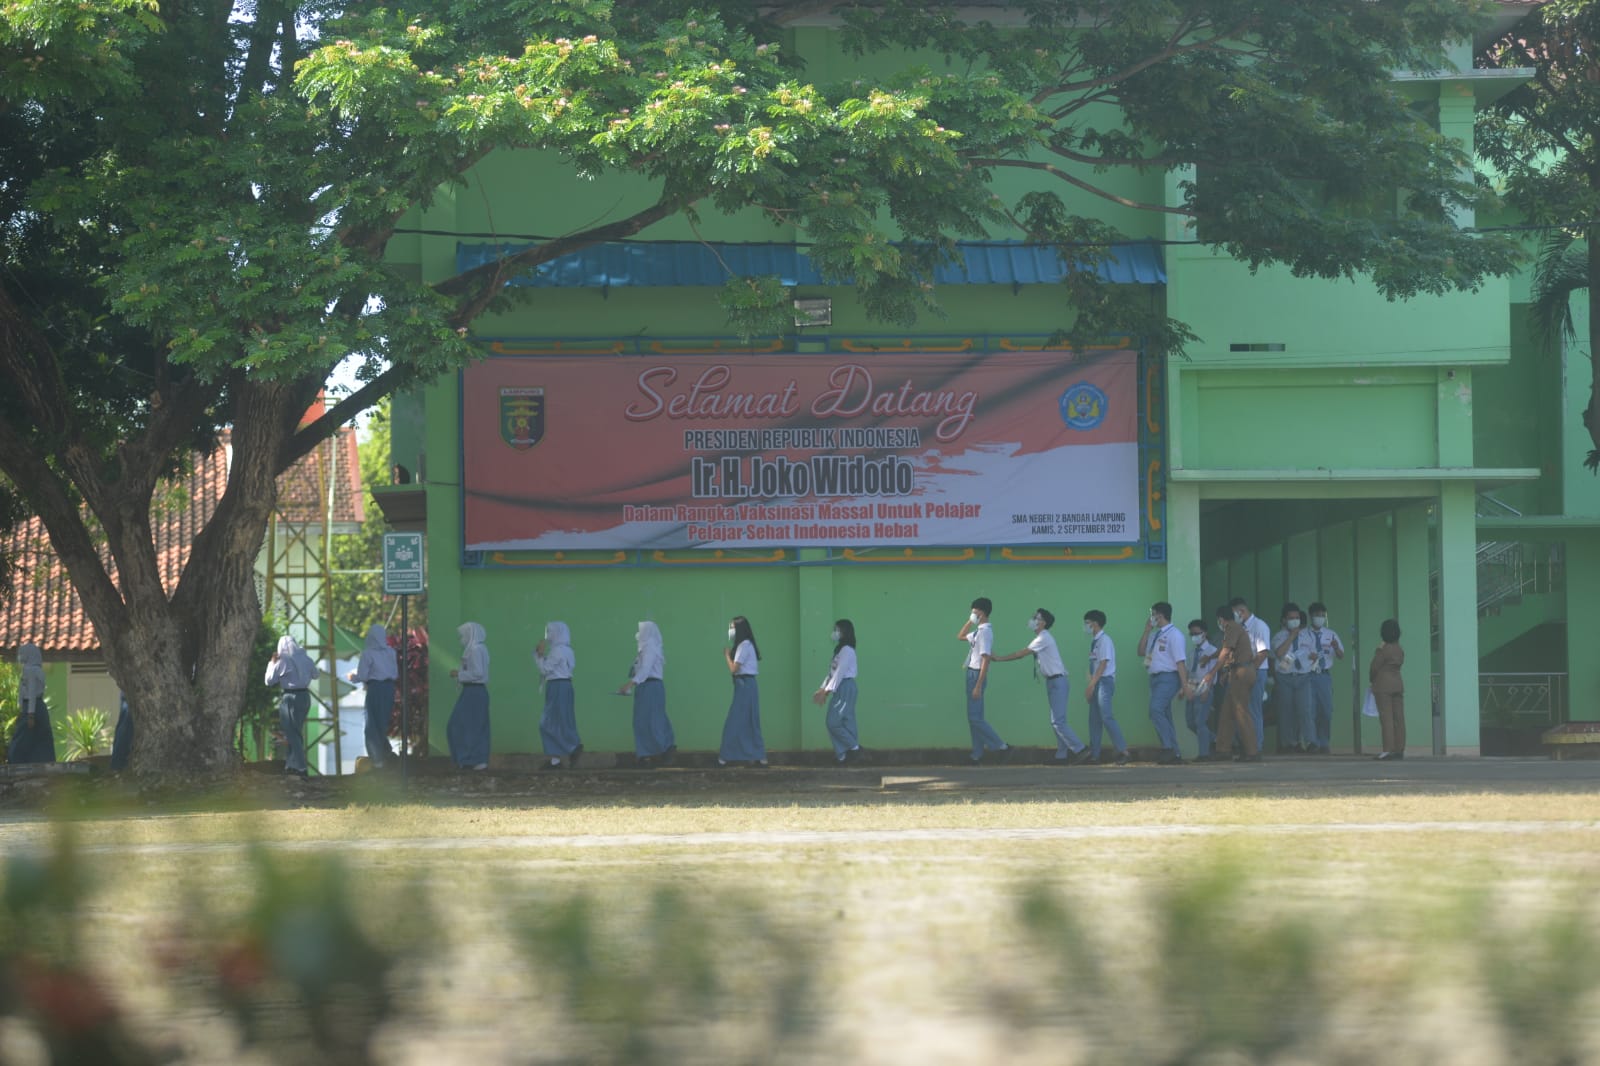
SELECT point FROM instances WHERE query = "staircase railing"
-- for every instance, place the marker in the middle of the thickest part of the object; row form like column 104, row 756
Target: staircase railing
column 1507, row 570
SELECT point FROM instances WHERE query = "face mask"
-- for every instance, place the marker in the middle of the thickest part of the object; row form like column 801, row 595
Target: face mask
column 834, row 636
column 1155, row 620
column 1319, row 620
column 973, row 617
column 1196, row 638
column 1238, row 616
column 1088, row 627
column 1293, row 623
column 1035, row 624
column 731, row 632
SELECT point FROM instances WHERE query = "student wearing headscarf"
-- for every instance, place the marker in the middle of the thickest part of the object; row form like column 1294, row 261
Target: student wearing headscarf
column 292, row 670
column 468, row 728
column 653, row 740
column 558, row 727
column 741, row 730
column 31, row 738
column 378, row 669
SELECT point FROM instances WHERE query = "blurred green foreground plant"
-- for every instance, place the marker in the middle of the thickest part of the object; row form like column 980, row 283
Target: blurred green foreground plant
column 317, row 966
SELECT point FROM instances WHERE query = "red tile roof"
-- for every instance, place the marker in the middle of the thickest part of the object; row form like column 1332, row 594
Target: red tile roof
column 45, row 609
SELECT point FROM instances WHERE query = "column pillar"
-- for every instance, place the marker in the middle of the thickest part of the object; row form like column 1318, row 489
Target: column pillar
column 1458, row 616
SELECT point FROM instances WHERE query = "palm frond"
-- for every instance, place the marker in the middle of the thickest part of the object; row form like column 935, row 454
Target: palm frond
column 1562, row 269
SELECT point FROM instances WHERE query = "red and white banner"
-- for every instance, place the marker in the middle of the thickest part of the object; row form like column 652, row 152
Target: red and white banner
column 838, row 450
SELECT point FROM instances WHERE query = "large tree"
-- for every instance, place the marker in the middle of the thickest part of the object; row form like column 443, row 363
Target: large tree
column 196, row 199
column 1544, row 138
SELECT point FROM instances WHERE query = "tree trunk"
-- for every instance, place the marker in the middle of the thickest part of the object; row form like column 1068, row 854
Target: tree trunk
column 182, row 660
column 1591, row 414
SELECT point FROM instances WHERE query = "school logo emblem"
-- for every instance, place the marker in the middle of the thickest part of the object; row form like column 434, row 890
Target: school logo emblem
column 1083, row 406
column 522, row 417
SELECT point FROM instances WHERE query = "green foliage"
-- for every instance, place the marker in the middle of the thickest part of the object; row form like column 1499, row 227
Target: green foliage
column 10, row 679
column 82, row 734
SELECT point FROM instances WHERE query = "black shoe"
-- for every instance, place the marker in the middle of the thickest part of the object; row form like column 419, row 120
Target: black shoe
column 1008, row 753
column 1079, row 757
column 1251, row 758
column 761, row 764
column 644, row 762
column 1211, row 757
column 1398, row 755
column 1093, row 760
column 1122, row 758
column 975, row 760
column 553, row 766
column 573, row 758
column 1173, row 760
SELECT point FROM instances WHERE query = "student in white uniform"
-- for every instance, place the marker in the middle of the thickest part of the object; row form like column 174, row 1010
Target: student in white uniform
column 1325, row 648
column 467, row 730
column 838, row 693
column 1162, row 648
column 292, row 670
column 979, row 635
column 1261, row 640
column 558, row 726
column 32, row 738
column 741, row 730
column 1047, row 664
column 1202, row 664
column 378, row 670
column 653, row 739
column 1102, row 687
column 1291, row 655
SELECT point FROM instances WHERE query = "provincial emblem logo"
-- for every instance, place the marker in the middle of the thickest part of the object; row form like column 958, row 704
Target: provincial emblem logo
column 521, row 416
column 1083, row 406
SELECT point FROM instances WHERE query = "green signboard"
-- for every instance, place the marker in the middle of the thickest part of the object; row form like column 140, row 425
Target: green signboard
column 402, row 564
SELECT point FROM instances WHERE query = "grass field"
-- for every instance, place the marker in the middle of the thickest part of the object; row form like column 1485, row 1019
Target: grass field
column 1101, row 927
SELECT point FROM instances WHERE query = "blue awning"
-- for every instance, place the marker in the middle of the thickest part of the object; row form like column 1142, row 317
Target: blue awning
column 692, row 263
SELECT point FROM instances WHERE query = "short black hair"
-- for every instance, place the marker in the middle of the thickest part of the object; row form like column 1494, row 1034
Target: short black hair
column 1046, row 617
column 1201, row 622
column 982, row 604
column 1390, row 631
column 1164, row 609
column 1291, row 606
column 1239, row 601
column 1097, row 617
column 1224, row 613
column 1317, row 608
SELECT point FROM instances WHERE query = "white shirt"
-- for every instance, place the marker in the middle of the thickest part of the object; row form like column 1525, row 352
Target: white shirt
column 1166, row 649
column 744, row 659
column 1324, row 642
column 474, row 666
column 557, row 664
column 1101, row 649
column 1046, row 654
column 378, row 664
column 1260, row 638
column 842, row 668
column 982, row 641
column 649, row 663
column 1297, row 658
column 1199, row 653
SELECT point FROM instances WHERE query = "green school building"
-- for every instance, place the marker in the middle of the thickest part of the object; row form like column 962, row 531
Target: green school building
column 1417, row 460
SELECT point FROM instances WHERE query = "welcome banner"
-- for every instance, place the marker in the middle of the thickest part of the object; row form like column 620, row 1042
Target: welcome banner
column 838, row 450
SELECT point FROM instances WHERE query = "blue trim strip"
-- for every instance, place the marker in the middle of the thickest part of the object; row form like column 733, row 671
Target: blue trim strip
column 691, row 263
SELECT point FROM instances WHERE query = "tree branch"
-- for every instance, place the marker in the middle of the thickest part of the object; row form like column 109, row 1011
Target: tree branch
column 308, row 436
column 482, row 284
column 1070, row 179
column 1171, row 50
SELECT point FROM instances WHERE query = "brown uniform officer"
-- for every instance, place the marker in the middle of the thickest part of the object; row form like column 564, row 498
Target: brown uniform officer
column 1238, row 657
